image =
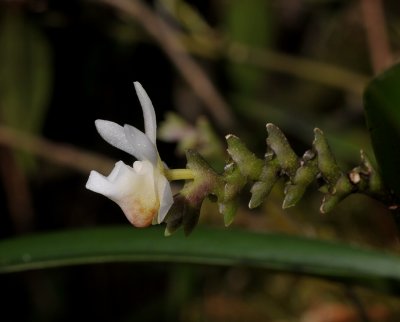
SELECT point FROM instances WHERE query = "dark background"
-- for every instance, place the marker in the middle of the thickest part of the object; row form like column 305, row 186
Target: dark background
column 94, row 53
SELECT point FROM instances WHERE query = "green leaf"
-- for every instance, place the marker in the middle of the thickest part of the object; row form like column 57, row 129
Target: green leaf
column 250, row 23
column 204, row 246
column 25, row 74
column 382, row 109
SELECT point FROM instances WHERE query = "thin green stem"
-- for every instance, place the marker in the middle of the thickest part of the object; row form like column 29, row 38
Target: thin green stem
column 179, row 174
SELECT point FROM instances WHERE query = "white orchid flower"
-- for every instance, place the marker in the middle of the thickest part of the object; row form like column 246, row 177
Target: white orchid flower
column 142, row 191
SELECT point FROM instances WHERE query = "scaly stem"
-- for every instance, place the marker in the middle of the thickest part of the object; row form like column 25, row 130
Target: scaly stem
column 178, row 174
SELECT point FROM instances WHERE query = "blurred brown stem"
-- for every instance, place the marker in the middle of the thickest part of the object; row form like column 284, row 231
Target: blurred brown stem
column 62, row 154
column 207, row 42
column 189, row 69
column 301, row 67
column 375, row 26
column 357, row 304
column 17, row 191
column 305, row 68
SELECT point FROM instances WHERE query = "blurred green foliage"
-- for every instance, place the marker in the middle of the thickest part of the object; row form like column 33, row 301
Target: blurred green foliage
column 25, row 72
column 249, row 23
column 382, row 102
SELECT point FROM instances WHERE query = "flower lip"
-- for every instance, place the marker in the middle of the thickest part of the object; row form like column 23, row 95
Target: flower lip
column 132, row 188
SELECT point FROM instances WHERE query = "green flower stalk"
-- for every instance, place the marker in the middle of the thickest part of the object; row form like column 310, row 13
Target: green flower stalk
column 280, row 162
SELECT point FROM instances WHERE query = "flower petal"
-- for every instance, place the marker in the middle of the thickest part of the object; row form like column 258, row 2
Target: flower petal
column 114, row 134
column 149, row 114
column 165, row 196
column 142, row 146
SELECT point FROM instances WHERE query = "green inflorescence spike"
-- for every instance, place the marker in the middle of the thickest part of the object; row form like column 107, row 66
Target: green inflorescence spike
column 263, row 186
column 326, row 161
column 304, row 176
column 280, row 161
column 248, row 163
column 279, row 144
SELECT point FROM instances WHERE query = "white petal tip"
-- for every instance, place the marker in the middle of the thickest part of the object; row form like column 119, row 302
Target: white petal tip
column 137, row 85
column 105, row 127
column 99, row 123
column 96, row 182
